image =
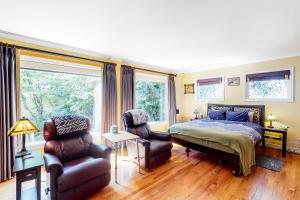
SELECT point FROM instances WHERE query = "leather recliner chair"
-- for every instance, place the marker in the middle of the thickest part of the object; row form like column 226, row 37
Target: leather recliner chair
column 76, row 166
column 156, row 145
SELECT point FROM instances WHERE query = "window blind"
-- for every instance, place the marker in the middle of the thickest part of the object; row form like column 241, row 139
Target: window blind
column 209, row 81
column 275, row 75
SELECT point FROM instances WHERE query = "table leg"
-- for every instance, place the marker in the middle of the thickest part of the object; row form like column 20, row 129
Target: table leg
column 38, row 183
column 284, row 144
column 263, row 140
column 116, row 161
column 18, row 189
column 138, row 154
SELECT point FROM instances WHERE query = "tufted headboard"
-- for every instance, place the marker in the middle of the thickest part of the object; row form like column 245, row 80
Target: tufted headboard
column 259, row 110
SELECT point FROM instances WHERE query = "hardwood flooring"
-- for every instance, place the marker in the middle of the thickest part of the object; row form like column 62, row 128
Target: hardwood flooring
column 196, row 177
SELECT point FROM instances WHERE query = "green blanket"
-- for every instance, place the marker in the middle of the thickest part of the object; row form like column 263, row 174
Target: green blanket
column 240, row 141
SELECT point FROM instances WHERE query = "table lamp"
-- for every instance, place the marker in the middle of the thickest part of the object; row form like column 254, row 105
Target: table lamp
column 196, row 113
column 22, row 127
column 271, row 118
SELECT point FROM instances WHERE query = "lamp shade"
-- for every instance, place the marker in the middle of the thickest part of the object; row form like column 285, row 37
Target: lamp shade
column 271, row 117
column 22, row 126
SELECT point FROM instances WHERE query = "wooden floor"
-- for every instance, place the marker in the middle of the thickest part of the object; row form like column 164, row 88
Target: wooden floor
column 196, row 177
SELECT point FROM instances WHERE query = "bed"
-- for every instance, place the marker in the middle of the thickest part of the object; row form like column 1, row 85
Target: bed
column 226, row 140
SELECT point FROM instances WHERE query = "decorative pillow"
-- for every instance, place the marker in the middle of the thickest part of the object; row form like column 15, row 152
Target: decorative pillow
column 217, row 114
column 69, row 124
column 250, row 116
column 237, row 116
column 256, row 116
column 139, row 116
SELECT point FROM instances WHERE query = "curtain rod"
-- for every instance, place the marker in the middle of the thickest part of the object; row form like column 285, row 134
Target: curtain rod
column 51, row 52
column 76, row 57
column 158, row 72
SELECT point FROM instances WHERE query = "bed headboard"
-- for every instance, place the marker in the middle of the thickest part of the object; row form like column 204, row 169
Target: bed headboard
column 259, row 110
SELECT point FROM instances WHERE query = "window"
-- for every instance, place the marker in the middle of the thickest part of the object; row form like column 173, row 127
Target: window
column 46, row 92
column 210, row 88
column 276, row 85
column 151, row 95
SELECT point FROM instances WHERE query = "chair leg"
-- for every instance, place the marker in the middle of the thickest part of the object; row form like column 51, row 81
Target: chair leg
column 187, row 150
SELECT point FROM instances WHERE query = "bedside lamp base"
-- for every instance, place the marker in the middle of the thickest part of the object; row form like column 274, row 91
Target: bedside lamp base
column 271, row 125
column 24, row 151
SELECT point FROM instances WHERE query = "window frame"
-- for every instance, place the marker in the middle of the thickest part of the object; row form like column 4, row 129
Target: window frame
column 58, row 66
column 151, row 78
column 291, row 87
column 211, row 99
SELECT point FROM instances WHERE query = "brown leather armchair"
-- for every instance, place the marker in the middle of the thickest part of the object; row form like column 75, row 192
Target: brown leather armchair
column 75, row 165
column 156, row 145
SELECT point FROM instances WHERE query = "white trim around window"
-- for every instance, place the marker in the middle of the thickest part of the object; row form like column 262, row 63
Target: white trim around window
column 44, row 64
column 290, row 88
column 57, row 66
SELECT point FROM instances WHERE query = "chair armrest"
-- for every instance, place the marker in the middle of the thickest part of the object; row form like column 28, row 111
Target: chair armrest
column 53, row 164
column 144, row 142
column 100, row 151
column 160, row 136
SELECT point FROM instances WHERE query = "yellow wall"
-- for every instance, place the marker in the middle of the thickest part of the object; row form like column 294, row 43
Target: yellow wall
column 287, row 113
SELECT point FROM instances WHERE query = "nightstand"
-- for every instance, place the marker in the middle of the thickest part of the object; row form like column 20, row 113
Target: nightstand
column 27, row 169
column 282, row 137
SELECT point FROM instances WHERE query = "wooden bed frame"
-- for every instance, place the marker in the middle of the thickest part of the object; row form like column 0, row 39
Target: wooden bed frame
column 233, row 158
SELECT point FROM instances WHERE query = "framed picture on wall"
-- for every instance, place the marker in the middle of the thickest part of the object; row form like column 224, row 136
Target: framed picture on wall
column 189, row 88
column 233, row 81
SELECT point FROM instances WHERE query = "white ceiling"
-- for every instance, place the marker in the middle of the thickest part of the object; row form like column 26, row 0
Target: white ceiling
column 181, row 35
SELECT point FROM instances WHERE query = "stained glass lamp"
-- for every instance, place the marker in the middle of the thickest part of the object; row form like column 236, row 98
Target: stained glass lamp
column 22, row 127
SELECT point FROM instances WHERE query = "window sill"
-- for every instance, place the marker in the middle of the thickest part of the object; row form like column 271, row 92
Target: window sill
column 210, row 99
column 35, row 145
column 40, row 145
column 271, row 100
column 158, row 122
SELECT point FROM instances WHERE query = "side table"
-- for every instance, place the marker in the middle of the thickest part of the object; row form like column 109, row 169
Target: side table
column 26, row 170
column 283, row 137
column 121, row 137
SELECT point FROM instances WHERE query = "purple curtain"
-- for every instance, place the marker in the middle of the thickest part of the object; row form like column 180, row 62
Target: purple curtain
column 109, row 108
column 8, row 109
column 172, row 100
column 127, row 88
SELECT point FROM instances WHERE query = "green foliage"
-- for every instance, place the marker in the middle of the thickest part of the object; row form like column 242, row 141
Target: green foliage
column 212, row 91
column 268, row 89
column 151, row 97
column 47, row 94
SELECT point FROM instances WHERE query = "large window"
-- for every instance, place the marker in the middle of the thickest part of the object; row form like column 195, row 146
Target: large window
column 210, row 89
column 46, row 93
column 274, row 85
column 151, row 95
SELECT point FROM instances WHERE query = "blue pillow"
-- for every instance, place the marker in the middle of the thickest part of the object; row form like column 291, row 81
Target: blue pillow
column 217, row 114
column 237, row 116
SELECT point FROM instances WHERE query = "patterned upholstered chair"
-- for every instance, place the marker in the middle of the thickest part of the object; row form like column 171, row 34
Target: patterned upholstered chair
column 75, row 165
column 156, row 146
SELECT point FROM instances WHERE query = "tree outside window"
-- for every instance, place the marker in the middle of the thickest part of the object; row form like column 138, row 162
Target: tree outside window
column 46, row 94
column 151, row 96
